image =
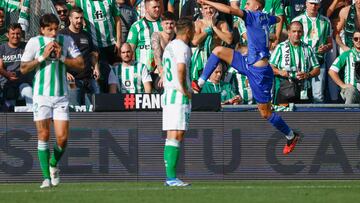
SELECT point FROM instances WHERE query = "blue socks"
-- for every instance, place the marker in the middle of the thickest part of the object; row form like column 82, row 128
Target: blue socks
column 280, row 124
column 210, row 66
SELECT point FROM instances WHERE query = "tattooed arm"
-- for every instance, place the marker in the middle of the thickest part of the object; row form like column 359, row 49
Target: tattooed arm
column 157, row 50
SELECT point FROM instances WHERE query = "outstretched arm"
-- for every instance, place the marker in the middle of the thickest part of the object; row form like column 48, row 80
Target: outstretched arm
column 223, row 8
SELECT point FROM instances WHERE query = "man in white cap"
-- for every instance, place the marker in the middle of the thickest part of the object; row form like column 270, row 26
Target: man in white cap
column 317, row 34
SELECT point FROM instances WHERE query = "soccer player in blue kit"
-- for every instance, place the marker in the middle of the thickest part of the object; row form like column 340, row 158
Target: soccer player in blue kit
column 255, row 66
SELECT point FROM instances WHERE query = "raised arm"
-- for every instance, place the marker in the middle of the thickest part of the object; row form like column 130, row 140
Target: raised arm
column 223, row 8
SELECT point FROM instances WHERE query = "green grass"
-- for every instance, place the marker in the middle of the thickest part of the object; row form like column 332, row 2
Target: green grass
column 219, row 192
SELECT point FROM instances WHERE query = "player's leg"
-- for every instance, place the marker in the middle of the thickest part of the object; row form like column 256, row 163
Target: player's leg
column 43, row 131
column 175, row 129
column 172, row 151
column 219, row 53
column 61, row 127
column 261, row 80
column 42, row 111
column 280, row 124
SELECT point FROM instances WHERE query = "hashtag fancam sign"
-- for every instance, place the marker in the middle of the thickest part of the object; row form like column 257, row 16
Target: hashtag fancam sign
column 150, row 102
column 142, row 101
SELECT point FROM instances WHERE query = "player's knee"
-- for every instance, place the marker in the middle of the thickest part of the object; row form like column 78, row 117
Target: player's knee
column 265, row 114
column 43, row 134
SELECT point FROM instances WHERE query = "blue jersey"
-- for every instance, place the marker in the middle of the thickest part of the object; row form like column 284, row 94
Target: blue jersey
column 257, row 27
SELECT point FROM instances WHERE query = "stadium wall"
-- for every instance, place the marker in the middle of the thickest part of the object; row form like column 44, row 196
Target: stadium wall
column 128, row 146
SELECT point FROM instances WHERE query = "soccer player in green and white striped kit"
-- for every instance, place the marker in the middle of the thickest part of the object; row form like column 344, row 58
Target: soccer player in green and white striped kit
column 49, row 54
column 177, row 96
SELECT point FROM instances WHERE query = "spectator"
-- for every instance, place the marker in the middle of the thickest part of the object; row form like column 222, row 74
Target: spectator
column 9, row 6
column 3, row 37
column 318, row 34
column 104, row 24
column 140, row 7
column 128, row 17
column 209, row 33
column 63, row 13
column 240, row 84
column 182, row 8
column 333, row 14
column 215, row 85
column 293, row 8
column 349, row 62
column 17, row 84
column 140, row 35
column 349, row 23
column 129, row 76
column 294, row 60
column 85, row 81
column 159, row 40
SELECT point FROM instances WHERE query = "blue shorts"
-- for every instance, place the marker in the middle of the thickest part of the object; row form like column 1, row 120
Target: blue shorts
column 260, row 78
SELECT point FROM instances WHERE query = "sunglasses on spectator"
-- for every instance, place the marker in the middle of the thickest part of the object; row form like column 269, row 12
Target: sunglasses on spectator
column 356, row 39
column 62, row 11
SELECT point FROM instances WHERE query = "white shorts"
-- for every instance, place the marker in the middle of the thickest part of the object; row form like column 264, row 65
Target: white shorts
column 176, row 117
column 55, row 107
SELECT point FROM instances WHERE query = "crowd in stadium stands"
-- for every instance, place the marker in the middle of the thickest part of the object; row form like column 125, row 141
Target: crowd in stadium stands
column 315, row 48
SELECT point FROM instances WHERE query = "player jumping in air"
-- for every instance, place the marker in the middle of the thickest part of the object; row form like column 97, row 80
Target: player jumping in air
column 256, row 66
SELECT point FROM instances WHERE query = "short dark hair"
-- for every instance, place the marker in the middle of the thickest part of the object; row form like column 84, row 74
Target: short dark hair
column 48, row 19
column 184, row 23
column 293, row 23
column 167, row 15
column 76, row 10
column 356, row 30
column 60, row 3
column 14, row 26
column 262, row 2
column 2, row 9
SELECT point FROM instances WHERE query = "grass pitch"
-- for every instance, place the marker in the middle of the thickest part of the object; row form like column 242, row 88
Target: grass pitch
column 219, row 192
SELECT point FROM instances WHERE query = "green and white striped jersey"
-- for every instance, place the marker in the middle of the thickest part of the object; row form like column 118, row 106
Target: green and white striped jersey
column 292, row 58
column 140, row 36
column 9, row 5
column 317, row 30
column 176, row 52
column 50, row 77
column 24, row 16
column 100, row 22
column 289, row 58
column 129, row 79
column 224, row 88
column 347, row 61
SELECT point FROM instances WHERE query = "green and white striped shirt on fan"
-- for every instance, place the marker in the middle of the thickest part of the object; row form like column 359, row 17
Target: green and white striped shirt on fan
column 100, row 22
column 317, row 30
column 140, row 36
column 347, row 60
column 129, row 79
column 9, row 5
column 297, row 55
column 50, row 77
